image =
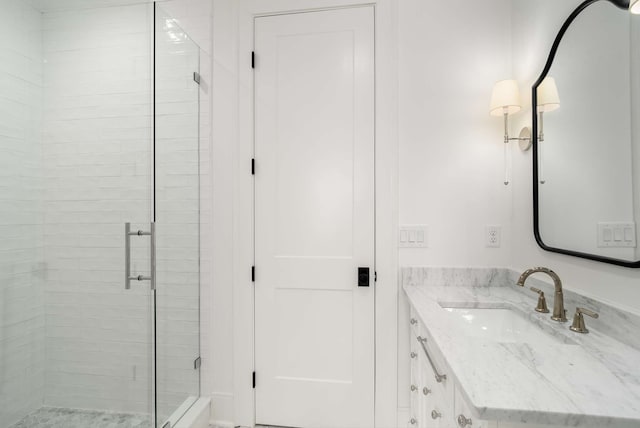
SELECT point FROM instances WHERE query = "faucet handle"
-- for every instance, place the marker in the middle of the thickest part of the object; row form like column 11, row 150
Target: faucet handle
column 542, row 301
column 578, row 324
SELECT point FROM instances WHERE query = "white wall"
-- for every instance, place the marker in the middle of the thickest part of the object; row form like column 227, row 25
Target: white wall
column 218, row 381
column 450, row 148
column 21, row 244
column 535, row 25
column 451, row 162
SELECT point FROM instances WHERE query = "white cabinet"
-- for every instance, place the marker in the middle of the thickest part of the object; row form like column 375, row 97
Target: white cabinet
column 431, row 393
column 463, row 416
column 436, row 402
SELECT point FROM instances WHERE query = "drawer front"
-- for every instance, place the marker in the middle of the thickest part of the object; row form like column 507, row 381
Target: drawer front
column 438, row 413
column 439, row 378
column 462, row 416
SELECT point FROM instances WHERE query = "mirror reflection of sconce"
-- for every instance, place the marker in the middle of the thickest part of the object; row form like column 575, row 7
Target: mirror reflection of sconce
column 505, row 101
column 548, row 101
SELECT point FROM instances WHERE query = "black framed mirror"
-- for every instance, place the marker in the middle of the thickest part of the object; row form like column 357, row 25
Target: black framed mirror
column 586, row 137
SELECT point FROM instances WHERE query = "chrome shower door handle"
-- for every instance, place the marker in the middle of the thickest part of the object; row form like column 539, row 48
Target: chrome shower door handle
column 127, row 256
column 152, row 261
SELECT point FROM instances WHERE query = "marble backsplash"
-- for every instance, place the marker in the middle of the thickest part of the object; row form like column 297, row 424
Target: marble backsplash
column 614, row 322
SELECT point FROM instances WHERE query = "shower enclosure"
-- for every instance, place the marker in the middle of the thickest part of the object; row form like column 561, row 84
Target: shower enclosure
column 99, row 214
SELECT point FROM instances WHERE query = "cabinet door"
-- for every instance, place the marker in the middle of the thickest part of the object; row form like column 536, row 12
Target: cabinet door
column 437, row 404
column 430, row 397
column 462, row 416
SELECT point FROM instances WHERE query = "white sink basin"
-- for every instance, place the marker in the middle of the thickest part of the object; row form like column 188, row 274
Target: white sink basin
column 505, row 325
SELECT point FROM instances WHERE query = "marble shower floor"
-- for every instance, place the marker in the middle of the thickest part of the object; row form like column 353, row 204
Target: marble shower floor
column 51, row 417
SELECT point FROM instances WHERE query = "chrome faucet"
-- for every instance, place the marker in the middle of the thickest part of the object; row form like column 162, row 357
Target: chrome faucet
column 559, row 314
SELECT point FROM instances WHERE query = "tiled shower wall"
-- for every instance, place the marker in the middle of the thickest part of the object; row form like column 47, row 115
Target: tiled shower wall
column 21, row 246
column 75, row 135
column 96, row 146
column 98, row 122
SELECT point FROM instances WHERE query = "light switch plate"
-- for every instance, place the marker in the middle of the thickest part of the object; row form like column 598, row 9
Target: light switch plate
column 616, row 234
column 413, row 236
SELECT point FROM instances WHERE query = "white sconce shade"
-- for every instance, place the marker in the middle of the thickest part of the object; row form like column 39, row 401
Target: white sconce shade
column 505, row 98
column 634, row 7
column 548, row 98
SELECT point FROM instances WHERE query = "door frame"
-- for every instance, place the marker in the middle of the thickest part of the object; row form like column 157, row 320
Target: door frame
column 386, row 205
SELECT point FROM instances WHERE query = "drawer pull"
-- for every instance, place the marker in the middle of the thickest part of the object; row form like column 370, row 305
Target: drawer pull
column 435, row 414
column 413, row 421
column 439, row 377
column 464, row 421
column 413, row 355
column 413, row 321
column 426, row 391
column 414, row 388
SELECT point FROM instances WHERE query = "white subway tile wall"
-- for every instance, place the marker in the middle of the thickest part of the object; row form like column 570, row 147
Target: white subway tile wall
column 21, row 215
column 75, row 138
column 97, row 168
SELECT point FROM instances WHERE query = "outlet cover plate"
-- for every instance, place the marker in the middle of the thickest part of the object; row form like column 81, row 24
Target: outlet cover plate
column 493, row 236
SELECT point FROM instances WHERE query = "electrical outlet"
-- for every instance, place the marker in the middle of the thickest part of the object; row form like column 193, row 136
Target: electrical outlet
column 492, row 236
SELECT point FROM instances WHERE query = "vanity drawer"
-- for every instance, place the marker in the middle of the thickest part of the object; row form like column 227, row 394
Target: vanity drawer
column 462, row 416
column 434, row 371
column 436, row 412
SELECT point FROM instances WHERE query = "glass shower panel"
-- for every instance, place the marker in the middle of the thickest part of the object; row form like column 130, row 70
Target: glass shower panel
column 177, row 193
column 97, row 150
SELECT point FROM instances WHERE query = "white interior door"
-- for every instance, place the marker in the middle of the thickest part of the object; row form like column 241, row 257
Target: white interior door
column 314, row 218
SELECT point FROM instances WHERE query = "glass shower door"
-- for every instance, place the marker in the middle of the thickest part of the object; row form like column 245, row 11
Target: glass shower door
column 96, row 176
column 177, row 216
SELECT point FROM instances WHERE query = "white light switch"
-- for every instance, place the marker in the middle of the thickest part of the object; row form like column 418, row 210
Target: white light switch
column 616, row 235
column 628, row 234
column 413, row 236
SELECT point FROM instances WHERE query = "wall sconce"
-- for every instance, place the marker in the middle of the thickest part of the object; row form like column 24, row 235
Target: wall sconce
column 548, row 100
column 634, row 7
column 505, row 101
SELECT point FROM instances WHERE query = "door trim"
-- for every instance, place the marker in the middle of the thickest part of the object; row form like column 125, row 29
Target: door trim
column 386, row 205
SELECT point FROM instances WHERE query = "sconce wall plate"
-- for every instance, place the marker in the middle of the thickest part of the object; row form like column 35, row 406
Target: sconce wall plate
column 524, row 139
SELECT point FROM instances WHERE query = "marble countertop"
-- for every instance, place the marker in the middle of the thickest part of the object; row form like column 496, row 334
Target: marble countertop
column 585, row 380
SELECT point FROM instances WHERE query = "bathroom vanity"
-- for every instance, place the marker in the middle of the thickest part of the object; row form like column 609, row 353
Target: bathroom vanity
column 481, row 356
